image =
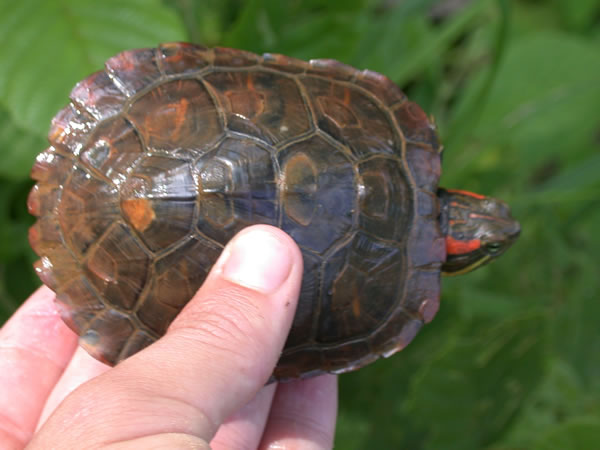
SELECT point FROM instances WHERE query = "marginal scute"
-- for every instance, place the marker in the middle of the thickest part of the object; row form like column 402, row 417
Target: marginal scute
column 381, row 86
column 424, row 289
column 428, row 309
column 230, row 57
column 43, row 199
column 427, row 247
column 99, row 96
column 407, row 329
column 337, row 359
column 284, row 63
column 329, row 68
column 43, row 269
column 56, row 265
column 133, row 70
column 69, row 129
column 45, row 235
column 415, row 124
column 294, row 364
column 51, row 167
column 179, row 58
column 424, row 165
column 427, row 204
column 107, row 334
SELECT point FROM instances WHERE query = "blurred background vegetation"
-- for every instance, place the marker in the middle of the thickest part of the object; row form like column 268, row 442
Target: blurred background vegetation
column 513, row 359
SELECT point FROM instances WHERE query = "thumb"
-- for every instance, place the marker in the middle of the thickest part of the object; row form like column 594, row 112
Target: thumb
column 216, row 355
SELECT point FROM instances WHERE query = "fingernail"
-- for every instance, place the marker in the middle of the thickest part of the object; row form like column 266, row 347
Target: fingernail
column 258, row 260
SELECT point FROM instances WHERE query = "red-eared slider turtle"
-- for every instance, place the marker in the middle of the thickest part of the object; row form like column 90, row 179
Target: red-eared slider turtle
column 167, row 153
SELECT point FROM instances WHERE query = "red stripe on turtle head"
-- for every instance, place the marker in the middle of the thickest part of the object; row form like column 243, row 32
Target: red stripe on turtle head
column 467, row 193
column 458, row 247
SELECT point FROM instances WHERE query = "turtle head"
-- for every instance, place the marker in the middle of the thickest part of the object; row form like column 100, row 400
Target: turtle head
column 478, row 229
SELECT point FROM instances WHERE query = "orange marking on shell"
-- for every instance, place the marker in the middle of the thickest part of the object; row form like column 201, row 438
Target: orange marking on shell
column 455, row 204
column 180, row 116
column 468, row 193
column 33, row 201
column 34, row 236
column 481, row 216
column 139, row 212
column 356, row 305
column 125, row 61
column 250, row 82
column 458, row 247
column 347, row 97
column 57, row 132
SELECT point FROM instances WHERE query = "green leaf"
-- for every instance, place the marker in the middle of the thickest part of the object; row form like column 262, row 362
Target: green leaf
column 578, row 14
column 17, row 278
column 432, row 49
column 545, row 98
column 55, row 44
column 205, row 21
column 473, row 387
column 577, row 434
column 19, row 148
column 561, row 395
column 290, row 28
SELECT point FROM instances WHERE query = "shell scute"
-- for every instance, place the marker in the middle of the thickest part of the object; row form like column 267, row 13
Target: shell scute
column 183, row 115
column 99, row 96
column 179, row 58
column 69, row 130
column 351, row 117
column 272, row 103
column 133, row 70
column 320, row 212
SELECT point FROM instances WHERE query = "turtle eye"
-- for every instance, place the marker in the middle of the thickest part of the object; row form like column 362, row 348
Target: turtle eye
column 494, row 247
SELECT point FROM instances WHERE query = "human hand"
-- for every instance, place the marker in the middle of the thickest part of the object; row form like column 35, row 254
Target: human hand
column 204, row 381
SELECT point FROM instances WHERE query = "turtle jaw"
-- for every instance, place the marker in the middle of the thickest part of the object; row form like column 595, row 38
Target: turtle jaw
column 478, row 229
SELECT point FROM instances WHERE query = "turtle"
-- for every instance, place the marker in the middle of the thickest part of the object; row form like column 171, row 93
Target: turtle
column 162, row 157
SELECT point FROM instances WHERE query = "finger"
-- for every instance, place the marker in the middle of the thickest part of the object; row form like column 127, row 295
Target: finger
column 244, row 429
column 80, row 369
column 215, row 357
column 35, row 346
column 303, row 415
column 161, row 442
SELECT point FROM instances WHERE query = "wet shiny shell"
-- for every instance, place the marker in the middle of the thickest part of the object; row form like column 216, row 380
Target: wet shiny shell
column 163, row 156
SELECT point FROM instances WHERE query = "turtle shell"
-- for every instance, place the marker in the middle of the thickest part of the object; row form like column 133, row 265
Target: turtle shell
column 162, row 157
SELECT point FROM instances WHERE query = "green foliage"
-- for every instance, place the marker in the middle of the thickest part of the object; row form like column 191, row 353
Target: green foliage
column 513, row 358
